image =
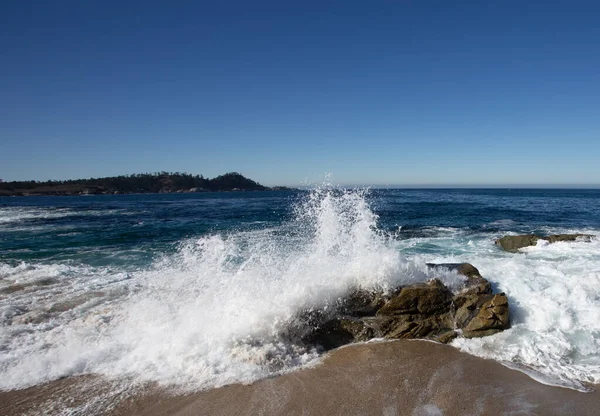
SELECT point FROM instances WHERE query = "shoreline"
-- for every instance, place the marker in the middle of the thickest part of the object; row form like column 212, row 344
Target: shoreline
column 158, row 182
column 391, row 378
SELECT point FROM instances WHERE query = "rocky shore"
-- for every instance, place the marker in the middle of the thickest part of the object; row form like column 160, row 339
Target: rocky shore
column 427, row 310
column 407, row 376
column 512, row 243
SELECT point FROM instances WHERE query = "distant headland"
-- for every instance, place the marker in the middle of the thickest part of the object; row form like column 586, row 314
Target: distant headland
column 143, row 183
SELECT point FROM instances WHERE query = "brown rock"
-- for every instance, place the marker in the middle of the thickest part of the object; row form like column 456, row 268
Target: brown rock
column 466, row 269
column 418, row 311
column 480, row 334
column 567, row 237
column 447, row 337
column 467, row 307
column 419, row 326
column 493, row 314
column 478, row 285
column 512, row 243
column 420, row 298
column 475, row 282
column 412, row 330
column 337, row 332
column 362, row 302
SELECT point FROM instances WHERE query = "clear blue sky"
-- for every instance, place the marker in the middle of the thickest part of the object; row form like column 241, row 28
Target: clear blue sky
column 394, row 92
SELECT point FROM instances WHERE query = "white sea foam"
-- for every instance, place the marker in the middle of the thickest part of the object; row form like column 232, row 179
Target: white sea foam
column 18, row 214
column 209, row 315
column 212, row 313
column 554, row 293
column 10, row 215
column 554, row 290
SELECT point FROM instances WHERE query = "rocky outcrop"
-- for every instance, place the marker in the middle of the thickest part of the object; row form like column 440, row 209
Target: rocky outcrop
column 512, row 243
column 427, row 310
column 420, row 298
column 475, row 282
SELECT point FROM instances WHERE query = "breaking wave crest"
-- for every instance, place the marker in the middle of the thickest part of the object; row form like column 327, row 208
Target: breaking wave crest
column 212, row 313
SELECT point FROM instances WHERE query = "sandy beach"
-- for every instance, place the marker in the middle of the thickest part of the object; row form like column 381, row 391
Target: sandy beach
column 388, row 378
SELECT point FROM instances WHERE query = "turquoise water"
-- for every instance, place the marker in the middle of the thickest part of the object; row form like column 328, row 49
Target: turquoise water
column 192, row 290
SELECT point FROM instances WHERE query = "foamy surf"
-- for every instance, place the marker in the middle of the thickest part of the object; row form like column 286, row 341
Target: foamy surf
column 208, row 315
column 555, row 295
column 212, row 311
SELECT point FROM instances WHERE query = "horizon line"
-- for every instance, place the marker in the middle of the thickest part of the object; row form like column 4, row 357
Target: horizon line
column 460, row 186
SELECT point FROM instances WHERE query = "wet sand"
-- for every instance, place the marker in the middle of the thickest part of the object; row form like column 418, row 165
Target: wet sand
column 390, row 378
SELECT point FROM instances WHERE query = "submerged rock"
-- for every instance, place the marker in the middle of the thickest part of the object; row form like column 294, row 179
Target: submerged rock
column 12, row 289
column 512, row 243
column 427, row 310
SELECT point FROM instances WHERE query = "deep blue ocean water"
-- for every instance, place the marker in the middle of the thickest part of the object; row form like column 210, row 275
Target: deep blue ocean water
column 129, row 230
column 190, row 290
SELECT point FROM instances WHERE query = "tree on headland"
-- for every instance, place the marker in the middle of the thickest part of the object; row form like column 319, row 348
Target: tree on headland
column 234, row 180
column 157, row 182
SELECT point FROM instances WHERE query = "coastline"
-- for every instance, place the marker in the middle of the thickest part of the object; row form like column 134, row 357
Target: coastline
column 145, row 183
column 81, row 193
column 391, row 378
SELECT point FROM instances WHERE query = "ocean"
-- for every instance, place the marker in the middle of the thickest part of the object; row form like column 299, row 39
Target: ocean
column 192, row 291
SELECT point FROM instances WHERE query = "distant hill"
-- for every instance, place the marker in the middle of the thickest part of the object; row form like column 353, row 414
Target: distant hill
column 160, row 182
